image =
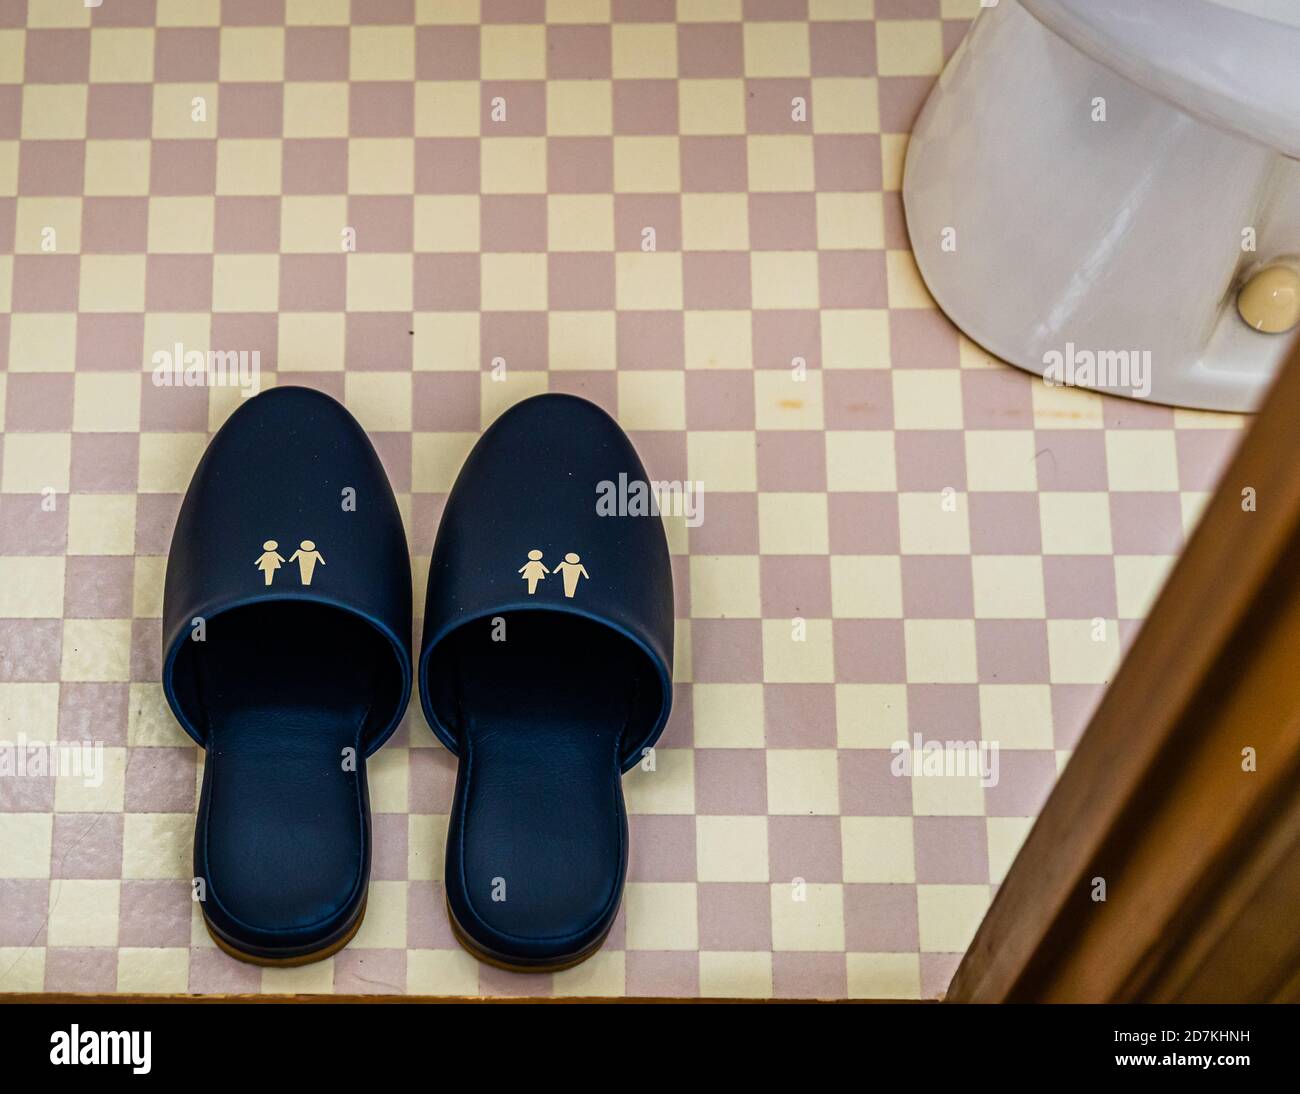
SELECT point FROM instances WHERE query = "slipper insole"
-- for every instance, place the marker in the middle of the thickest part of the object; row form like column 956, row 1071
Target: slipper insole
column 285, row 693
column 540, row 818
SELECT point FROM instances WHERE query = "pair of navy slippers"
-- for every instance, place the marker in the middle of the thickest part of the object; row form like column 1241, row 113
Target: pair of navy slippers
column 545, row 667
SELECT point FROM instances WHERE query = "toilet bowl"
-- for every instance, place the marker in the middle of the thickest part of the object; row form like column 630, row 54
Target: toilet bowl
column 1093, row 183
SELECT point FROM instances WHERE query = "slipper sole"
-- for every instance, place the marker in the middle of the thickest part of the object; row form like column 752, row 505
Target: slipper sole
column 286, row 962
column 470, row 947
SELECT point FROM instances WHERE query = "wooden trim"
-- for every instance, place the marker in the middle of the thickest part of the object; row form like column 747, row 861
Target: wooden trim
column 77, row 997
column 1200, row 858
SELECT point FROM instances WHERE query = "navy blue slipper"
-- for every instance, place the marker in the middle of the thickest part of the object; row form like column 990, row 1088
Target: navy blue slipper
column 286, row 655
column 546, row 668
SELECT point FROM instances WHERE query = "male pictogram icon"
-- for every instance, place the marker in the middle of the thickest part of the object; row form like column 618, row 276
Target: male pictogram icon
column 270, row 560
column 306, row 556
column 572, row 569
column 533, row 570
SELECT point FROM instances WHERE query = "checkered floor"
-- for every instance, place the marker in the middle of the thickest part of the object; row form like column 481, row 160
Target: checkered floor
column 687, row 212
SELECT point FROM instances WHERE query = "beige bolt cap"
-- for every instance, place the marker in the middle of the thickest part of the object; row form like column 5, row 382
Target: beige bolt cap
column 1270, row 301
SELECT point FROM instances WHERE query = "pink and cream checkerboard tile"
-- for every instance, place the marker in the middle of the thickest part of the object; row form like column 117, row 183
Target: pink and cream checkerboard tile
column 687, row 212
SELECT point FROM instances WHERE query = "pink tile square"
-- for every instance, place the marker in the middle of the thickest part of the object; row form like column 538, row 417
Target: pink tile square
column 77, row 969
column 513, row 11
column 951, row 850
column 1004, row 524
column 114, row 111
column 98, row 587
column 1071, row 459
column 663, row 451
column 634, row 213
column 719, row 399
column 446, row 282
column 908, row 9
column 1073, row 706
column 710, row 50
column 30, row 651
column 446, row 402
column 578, row 52
column 45, row 282
column 809, row 976
column 580, row 281
column 512, row 222
column 249, row 13
column 31, row 794
column 869, row 787
column 315, row 53
column 212, row 971
column 1145, row 524
column 881, row 919
column 770, row 105
column 714, row 165
column 784, row 338
column 146, row 652
column 937, row 587
column 1203, row 455
column 8, row 225
column 729, row 527
column 252, row 331
column 858, row 399
column 446, row 165
column 160, row 780
column 782, row 222
column 796, row 586
column 901, row 99
column 11, row 112
column 394, row 449
column 643, row 11
column 370, row 972
column 930, row 459
column 432, row 779
column 86, row 845
column 727, row 651
column 847, row 162
column 28, row 529
column 806, row 847
column 645, row 107
column 366, row 12
column 853, row 279
column 1011, row 651
column 447, row 53
column 896, row 234
column 863, row 524
column 650, row 339
column 945, row 710
column 1025, row 778
column 715, row 279
column 170, row 409
column 313, row 282
column 997, row 399
column 662, row 973
column 580, row 165
column 600, row 387
column 379, row 340
column 383, row 223
column 426, row 918
column 26, row 905
column 106, row 461
column 780, row 11
column 791, row 460
column 661, row 848
column 1135, row 414
column 518, row 338
column 382, row 108
column 114, row 225
column 314, row 166
column 187, row 55
column 155, row 519
column 247, row 225
column 39, row 402
column 51, row 167
column 250, row 110
column 154, row 913
column 183, row 167
column 923, row 339
column 938, row 969
column 389, row 847
column 869, row 651
column 735, row 916
column 842, row 48
column 56, row 56
column 1080, row 586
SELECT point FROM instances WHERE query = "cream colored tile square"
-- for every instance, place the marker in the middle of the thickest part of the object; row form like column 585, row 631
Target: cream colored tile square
column 150, row 970
column 311, row 342
column 35, row 462
column 514, row 282
column 381, row 165
column 715, row 222
column 112, row 283
column 1008, row 587
column 380, row 282
column 147, row 586
column 162, row 330
column 727, row 715
column 784, row 279
column 445, row 11
column 316, row 109
column 149, row 720
column 708, row 11
column 96, row 649
column 870, row 715
column 866, row 587
column 780, row 163
column 314, row 979
column 1075, row 523
column 934, row 523
column 940, row 794
column 878, row 850
column 101, row 524
column 603, row 975
column 909, row 47
column 194, row 13
column 731, row 848
column 580, row 222
column 106, row 402
column 579, row 108
column 28, row 708
column 425, row 845
column 447, row 222
column 31, row 586
column 582, row 340
column 850, row 222
column 1141, row 459
column 649, row 281
column 26, row 839
column 840, row 10
column 512, row 52
column 1065, row 407
column 725, row 587
column 185, row 112
column 808, row 917
column 182, row 225
column 1016, row 715
column 802, row 782
column 318, row 13
column 788, row 400
column 441, row 972
column 245, row 282
column 644, row 51
column 855, row 338
column 254, row 54
column 22, row 968
column 53, row 112
column 647, row 165
column 381, row 401
column 884, row 975
column 13, row 52
column 498, row 396
column 793, row 524
column 940, row 651
column 719, row 340
column 661, row 916
column 446, row 342
column 710, row 107
column 927, row 399
column 388, row 773
column 735, row 975
column 1001, row 459
column 385, row 924
column 860, row 459
column 663, row 782
column 774, row 49
column 948, row 915
column 1080, row 651
column 1005, row 837
column 577, row 11
column 512, row 165
column 436, row 459
column 83, row 912
column 722, row 461
column 9, row 168
column 381, row 53
column 843, row 104
column 1138, row 581
column 448, row 108
column 121, row 55
column 652, row 399
column 798, row 651
column 248, row 167
column 906, row 288
column 47, row 225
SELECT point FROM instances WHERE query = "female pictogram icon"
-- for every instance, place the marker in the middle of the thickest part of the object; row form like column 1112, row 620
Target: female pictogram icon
column 533, row 570
column 270, row 560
